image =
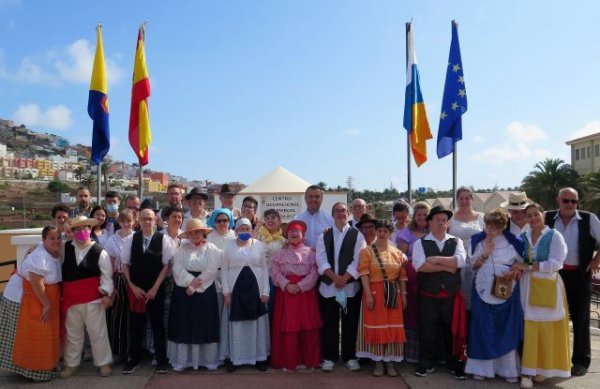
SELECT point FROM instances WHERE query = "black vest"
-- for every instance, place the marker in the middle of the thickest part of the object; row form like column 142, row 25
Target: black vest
column 144, row 267
column 88, row 268
column 586, row 244
column 441, row 280
column 346, row 252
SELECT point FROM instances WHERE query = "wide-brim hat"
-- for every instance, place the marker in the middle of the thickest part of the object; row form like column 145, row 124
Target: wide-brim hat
column 195, row 224
column 226, row 190
column 439, row 209
column 83, row 221
column 366, row 218
column 196, row 192
column 516, row 201
column 149, row 204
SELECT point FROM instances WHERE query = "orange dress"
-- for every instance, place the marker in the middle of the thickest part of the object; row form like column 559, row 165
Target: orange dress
column 381, row 330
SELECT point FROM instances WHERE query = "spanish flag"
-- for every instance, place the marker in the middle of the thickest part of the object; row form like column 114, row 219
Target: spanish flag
column 98, row 104
column 415, row 117
column 139, row 122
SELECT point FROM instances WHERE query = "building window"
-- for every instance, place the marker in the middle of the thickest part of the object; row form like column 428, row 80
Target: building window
column 583, row 153
column 589, row 152
column 577, row 154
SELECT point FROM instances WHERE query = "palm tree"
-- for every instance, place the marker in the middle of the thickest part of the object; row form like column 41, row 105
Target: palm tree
column 548, row 177
column 79, row 173
column 105, row 167
column 590, row 185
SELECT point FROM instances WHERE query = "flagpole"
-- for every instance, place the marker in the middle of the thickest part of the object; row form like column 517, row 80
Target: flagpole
column 454, row 171
column 408, row 152
column 141, row 183
column 98, row 175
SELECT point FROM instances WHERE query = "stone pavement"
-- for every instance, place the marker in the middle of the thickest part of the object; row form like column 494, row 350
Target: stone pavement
column 251, row 379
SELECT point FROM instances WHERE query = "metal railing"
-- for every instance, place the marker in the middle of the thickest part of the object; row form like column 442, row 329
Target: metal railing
column 12, row 263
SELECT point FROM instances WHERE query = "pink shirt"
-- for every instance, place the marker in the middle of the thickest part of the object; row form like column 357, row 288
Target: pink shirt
column 299, row 261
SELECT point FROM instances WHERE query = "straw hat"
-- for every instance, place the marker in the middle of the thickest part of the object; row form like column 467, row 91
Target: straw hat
column 83, row 221
column 195, row 224
column 516, row 201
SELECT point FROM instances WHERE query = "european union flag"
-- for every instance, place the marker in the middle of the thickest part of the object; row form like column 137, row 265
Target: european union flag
column 98, row 104
column 454, row 102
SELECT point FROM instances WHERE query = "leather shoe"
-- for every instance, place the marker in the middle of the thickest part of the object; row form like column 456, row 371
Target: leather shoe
column 578, row 370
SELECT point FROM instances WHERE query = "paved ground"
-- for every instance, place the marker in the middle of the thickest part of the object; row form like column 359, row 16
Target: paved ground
column 251, row 379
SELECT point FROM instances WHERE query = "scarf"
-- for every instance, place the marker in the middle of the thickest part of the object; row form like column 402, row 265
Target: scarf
column 266, row 236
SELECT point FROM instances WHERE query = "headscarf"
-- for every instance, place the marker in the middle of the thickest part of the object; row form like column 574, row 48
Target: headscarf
column 213, row 217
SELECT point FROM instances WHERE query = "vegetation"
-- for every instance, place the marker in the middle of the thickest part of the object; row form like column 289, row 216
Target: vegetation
column 58, row 187
column 548, row 177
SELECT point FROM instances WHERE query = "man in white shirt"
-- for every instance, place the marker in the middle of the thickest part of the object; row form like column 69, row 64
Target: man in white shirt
column 437, row 258
column 317, row 221
column 338, row 250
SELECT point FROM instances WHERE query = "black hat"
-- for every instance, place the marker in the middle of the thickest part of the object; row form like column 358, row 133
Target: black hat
column 196, row 191
column 439, row 209
column 225, row 189
column 149, row 204
column 366, row 218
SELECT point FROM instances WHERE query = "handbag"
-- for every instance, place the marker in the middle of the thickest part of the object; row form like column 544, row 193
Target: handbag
column 502, row 287
column 390, row 288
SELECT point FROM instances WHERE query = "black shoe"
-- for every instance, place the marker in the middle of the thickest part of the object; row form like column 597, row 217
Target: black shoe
column 261, row 365
column 130, row 367
column 422, row 372
column 229, row 366
column 578, row 371
column 459, row 374
column 162, row 368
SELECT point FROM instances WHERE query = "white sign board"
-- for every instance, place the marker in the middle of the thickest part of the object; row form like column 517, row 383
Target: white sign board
column 287, row 205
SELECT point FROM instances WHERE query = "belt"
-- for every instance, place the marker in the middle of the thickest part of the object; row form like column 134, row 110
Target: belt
column 570, row 267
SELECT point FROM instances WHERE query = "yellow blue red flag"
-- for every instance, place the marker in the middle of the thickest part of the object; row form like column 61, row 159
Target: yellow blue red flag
column 139, row 121
column 415, row 116
column 98, row 104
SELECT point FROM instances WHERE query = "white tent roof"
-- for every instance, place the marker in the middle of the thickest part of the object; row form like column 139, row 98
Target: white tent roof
column 278, row 180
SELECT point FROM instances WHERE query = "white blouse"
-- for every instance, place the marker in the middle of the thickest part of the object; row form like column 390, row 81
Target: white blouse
column 113, row 247
column 235, row 258
column 220, row 240
column 189, row 258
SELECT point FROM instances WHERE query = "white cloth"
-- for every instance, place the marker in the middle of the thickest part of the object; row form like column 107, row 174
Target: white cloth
column 173, row 244
column 571, row 234
column 106, row 271
column 419, row 254
column 189, row 258
column 167, row 249
column 183, row 355
column 499, row 262
column 316, row 224
column 113, row 247
column 351, row 288
column 507, row 366
column 220, row 240
column 515, row 229
column 90, row 317
column 235, row 258
column 549, row 270
column 245, row 342
column 40, row 262
column 188, row 216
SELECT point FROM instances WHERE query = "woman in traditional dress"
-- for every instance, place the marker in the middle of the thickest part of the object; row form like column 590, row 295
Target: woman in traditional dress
column 381, row 335
column 271, row 235
column 417, row 228
column 546, row 349
column 222, row 223
column 117, row 315
column 245, row 336
column 496, row 327
column 194, row 314
column 296, row 329
column 29, row 312
column 465, row 223
column 99, row 233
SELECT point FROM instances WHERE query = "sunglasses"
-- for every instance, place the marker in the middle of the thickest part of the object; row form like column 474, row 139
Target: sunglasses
column 222, row 221
column 567, row 201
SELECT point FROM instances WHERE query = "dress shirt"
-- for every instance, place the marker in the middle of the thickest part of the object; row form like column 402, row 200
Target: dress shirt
column 316, row 224
column 515, row 229
column 106, row 272
column 418, row 254
column 323, row 264
column 571, row 234
column 167, row 249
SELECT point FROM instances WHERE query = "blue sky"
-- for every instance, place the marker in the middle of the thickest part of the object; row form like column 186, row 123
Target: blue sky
column 241, row 87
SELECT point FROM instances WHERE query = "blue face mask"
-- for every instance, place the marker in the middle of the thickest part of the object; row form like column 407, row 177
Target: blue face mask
column 112, row 207
column 244, row 236
column 341, row 298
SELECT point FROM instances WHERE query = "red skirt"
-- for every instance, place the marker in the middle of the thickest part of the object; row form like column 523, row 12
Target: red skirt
column 296, row 329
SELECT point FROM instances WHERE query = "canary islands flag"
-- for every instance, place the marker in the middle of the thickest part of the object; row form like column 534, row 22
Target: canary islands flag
column 139, row 121
column 454, row 102
column 415, row 117
column 98, row 104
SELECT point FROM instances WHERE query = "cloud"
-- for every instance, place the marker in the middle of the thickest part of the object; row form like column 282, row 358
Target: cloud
column 515, row 146
column 588, row 129
column 352, row 131
column 57, row 117
column 478, row 139
column 81, row 60
column 31, row 73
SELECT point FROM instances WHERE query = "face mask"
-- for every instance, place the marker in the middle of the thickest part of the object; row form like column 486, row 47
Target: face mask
column 244, row 236
column 340, row 298
column 112, row 207
column 82, row 235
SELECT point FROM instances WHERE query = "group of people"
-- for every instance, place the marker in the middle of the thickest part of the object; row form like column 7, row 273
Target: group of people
column 489, row 295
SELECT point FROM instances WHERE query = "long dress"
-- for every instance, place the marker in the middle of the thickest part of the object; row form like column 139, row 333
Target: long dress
column 193, row 337
column 296, row 328
column 464, row 231
column 496, row 327
column 27, row 346
column 220, row 240
column 546, row 349
column 245, row 323
column 411, row 347
column 381, row 333
column 117, row 317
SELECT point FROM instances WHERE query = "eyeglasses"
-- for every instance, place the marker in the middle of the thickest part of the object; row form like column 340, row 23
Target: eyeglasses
column 133, row 208
column 567, row 201
column 340, row 210
column 222, row 221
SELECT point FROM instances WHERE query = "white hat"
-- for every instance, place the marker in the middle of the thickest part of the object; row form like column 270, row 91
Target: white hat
column 516, row 201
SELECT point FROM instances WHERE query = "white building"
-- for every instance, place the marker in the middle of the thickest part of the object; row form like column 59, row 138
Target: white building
column 585, row 154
